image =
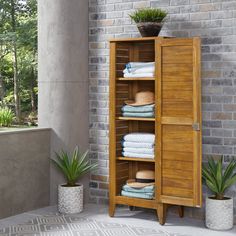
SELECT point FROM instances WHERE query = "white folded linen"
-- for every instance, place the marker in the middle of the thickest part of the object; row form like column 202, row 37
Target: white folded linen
column 140, row 137
column 139, row 150
column 134, row 65
column 131, row 75
column 141, row 155
column 148, row 69
column 137, row 145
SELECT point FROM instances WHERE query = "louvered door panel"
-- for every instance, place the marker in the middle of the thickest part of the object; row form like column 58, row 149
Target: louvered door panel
column 179, row 143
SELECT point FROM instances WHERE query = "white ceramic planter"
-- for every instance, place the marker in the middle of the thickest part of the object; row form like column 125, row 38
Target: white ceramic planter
column 219, row 214
column 70, row 199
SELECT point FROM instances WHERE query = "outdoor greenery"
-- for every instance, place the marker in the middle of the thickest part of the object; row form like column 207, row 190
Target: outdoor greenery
column 148, row 15
column 18, row 57
column 73, row 166
column 217, row 178
column 6, row 116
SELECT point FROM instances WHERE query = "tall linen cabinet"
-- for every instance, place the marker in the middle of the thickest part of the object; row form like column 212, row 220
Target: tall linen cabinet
column 177, row 122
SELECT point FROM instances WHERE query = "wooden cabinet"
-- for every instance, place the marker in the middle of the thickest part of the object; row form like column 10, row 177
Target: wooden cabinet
column 177, row 122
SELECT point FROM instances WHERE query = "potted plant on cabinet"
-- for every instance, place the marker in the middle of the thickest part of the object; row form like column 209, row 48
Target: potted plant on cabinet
column 70, row 195
column 149, row 21
column 219, row 208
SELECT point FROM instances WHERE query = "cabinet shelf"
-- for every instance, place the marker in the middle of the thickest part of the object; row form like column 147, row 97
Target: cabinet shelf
column 135, row 118
column 135, row 159
column 135, row 79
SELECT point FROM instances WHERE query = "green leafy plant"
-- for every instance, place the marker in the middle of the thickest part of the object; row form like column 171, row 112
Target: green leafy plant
column 73, row 166
column 148, row 15
column 6, row 116
column 218, row 179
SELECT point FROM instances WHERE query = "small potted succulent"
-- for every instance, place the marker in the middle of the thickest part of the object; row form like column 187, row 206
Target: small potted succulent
column 70, row 194
column 219, row 208
column 149, row 21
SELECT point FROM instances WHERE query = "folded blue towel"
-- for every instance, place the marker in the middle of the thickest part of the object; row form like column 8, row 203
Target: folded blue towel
column 140, row 155
column 137, row 195
column 147, row 189
column 139, row 150
column 136, row 145
column 140, row 137
column 141, row 114
column 138, row 109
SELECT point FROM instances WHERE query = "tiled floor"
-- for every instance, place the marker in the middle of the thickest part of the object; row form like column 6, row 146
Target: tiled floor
column 146, row 219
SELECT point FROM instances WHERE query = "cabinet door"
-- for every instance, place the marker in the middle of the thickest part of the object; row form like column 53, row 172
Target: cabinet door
column 178, row 125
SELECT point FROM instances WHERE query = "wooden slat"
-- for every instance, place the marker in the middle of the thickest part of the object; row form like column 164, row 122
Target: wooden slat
column 176, row 54
column 177, row 165
column 133, row 79
column 136, row 202
column 135, row 118
column 135, row 159
column 178, row 156
column 179, row 183
column 177, row 192
column 177, row 174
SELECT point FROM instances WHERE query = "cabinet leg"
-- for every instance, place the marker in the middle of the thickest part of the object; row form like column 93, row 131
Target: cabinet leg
column 181, row 211
column 112, row 208
column 161, row 212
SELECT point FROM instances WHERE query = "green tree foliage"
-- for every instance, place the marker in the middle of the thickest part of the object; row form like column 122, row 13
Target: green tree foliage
column 18, row 56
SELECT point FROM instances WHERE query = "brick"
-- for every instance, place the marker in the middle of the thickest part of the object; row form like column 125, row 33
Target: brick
column 210, row 7
column 221, row 116
column 212, row 124
column 222, row 82
column 221, row 133
column 211, row 107
column 123, row 6
column 222, row 99
column 222, row 150
column 212, row 140
column 215, row 40
column 93, row 184
column 103, row 185
column 160, row 3
column 211, row 74
column 230, row 141
column 221, row 14
column 200, row 16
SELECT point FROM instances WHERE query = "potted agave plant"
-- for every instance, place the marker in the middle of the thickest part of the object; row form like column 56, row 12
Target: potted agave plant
column 219, row 208
column 149, row 21
column 70, row 194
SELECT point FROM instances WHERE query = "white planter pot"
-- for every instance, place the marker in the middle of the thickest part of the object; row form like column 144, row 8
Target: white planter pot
column 219, row 214
column 70, row 199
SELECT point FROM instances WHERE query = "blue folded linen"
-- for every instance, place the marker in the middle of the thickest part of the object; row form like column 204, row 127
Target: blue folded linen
column 138, row 109
column 137, row 145
column 147, row 189
column 137, row 195
column 140, row 137
column 139, row 150
column 132, row 75
column 138, row 155
column 141, row 114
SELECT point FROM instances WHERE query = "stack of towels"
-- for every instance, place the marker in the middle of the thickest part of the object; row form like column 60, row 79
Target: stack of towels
column 139, row 145
column 146, row 111
column 145, row 192
column 139, row 69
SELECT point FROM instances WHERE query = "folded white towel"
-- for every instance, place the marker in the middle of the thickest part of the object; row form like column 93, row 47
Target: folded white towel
column 131, row 75
column 137, row 145
column 135, row 65
column 140, row 155
column 140, row 137
column 148, row 69
column 139, row 150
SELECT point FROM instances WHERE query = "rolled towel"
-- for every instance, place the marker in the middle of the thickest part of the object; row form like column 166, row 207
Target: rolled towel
column 140, row 137
column 141, row 114
column 137, row 195
column 147, row 189
column 137, row 145
column 139, row 150
column 138, row 155
column 138, row 109
column 131, row 75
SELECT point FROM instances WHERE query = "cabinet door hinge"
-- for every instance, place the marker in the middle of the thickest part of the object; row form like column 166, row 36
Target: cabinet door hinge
column 196, row 126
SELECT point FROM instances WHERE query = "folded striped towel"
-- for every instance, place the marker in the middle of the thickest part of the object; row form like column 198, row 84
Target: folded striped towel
column 137, row 145
column 137, row 195
column 141, row 114
column 135, row 154
column 138, row 109
column 140, row 137
column 147, row 189
column 139, row 150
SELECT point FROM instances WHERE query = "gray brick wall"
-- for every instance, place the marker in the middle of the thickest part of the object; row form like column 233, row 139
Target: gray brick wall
column 214, row 21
